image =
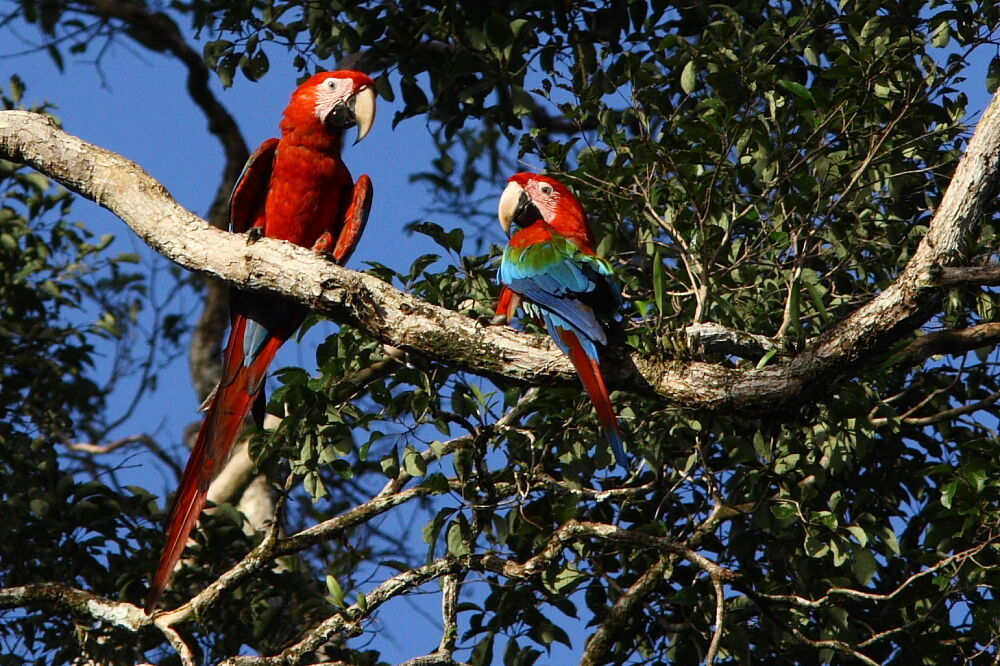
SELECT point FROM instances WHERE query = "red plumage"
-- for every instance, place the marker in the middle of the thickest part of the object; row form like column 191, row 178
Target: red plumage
column 297, row 189
column 589, row 371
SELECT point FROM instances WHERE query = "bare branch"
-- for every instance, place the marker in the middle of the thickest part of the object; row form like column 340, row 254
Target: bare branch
column 449, row 614
column 100, row 449
column 720, row 615
column 434, row 659
column 957, row 558
column 951, row 343
column 414, row 326
column 983, row 276
column 79, row 602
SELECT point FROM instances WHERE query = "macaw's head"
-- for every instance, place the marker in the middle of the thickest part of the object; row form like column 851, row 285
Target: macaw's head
column 335, row 101
column 531, row 197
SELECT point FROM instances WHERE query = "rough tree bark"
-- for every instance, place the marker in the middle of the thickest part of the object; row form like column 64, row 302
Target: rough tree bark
column 403, row 321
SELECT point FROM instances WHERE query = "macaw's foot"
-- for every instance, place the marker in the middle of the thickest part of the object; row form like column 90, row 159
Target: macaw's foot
column 254, row 234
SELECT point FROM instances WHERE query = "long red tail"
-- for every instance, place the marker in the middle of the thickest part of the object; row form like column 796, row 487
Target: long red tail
column 240, row 385
column 592, row 378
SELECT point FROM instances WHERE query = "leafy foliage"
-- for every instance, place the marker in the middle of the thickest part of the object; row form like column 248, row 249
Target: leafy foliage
column 57, row 527
column 764, row 166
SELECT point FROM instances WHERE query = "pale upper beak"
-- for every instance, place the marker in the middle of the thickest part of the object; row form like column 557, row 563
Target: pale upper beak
column 510, row 203
column 364, row 111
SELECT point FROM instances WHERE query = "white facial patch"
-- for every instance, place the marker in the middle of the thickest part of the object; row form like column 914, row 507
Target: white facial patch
column 545, row 198
column 329, row 93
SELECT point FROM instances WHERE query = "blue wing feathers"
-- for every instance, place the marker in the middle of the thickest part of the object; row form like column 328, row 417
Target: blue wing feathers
column 569, row 313
column 563, row 283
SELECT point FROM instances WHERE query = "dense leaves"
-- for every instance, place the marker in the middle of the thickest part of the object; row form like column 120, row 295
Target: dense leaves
column 768, row 167
column 56, row 527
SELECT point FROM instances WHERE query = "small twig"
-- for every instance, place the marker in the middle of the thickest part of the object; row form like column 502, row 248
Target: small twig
column 720, row 609
column 874, row 596
column 839, row 646
column 948, row 414
column 91, row 448
column 99, row 449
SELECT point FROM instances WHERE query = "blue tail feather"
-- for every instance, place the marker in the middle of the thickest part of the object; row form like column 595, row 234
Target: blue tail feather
column 618, row 448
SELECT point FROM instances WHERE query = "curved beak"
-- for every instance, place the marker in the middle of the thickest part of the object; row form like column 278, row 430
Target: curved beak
column 517, row 207
column 364, row 111
column 510, row 201
column 358, row 109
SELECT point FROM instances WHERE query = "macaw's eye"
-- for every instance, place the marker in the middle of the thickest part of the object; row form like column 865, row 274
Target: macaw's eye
column 331, row 84
column 546, row 189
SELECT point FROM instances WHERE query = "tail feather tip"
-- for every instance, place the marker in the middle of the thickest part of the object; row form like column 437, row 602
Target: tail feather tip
column 618, row 448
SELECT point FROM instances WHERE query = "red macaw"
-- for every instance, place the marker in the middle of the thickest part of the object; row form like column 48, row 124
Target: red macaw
column 297, row 189
column 550, row 268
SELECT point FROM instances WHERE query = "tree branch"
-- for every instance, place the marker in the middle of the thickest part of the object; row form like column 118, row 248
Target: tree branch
column 499, row 353
column 79, row 602
column 952, row 343
column 621, row 612
column 983, row 276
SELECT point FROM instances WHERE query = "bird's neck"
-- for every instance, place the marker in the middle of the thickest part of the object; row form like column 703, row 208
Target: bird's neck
column 542, row 231
column 313, row 136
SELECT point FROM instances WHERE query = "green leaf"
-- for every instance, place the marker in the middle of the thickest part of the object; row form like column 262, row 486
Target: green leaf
column 390, row 464
column 458, row 537
column 336, row 593
column 815, row 548
column 863, row 565
column 659, row 284
column 859, row 534
column 798, row 89
column 689, row 77
column 413, row 462
column 993, row 75
column 783, row 511
column 948, row 493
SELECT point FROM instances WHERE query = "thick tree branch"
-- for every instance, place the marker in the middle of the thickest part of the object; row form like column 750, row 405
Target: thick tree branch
column 79, row 602
column 952, row 343
column 415, row 326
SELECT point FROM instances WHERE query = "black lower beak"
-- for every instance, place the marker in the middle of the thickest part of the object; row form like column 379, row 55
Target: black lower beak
column 526, row 213
column 342, row 117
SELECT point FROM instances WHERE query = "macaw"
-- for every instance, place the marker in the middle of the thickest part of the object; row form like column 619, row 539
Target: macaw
column 297, row 189
column 549, row 267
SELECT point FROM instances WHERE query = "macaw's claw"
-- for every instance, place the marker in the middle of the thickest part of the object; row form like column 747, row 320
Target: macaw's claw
column 254, row 234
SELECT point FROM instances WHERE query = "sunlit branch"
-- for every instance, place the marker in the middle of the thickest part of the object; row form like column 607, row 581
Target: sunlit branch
column 412, row 325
